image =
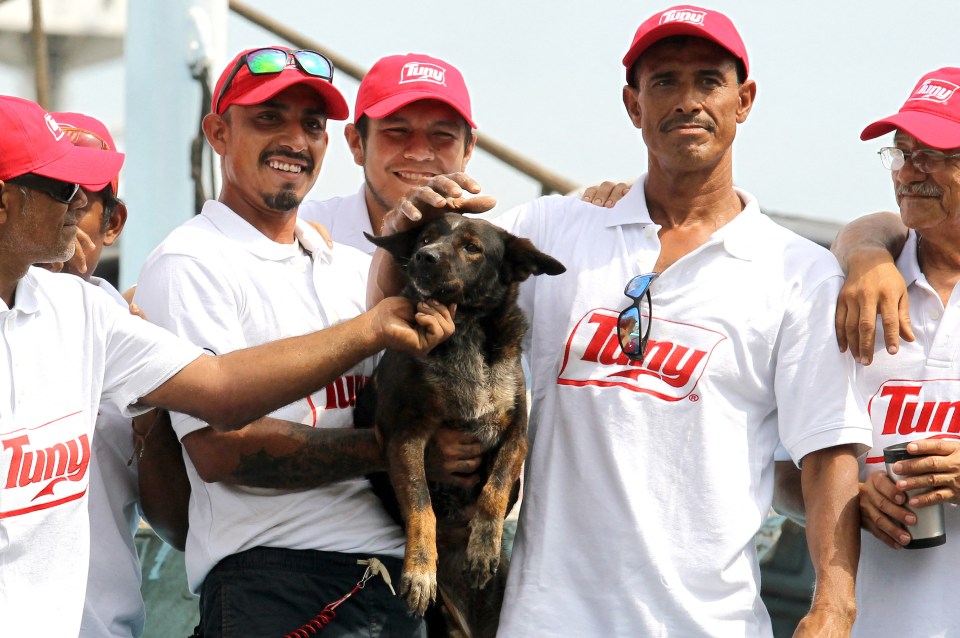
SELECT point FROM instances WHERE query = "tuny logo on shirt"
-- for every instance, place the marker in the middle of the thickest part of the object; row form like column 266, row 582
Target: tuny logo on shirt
column 423, row 72
column 670, row 370
column 933, row 90
column 683, row 15
column 917, row 407
column 46, row 466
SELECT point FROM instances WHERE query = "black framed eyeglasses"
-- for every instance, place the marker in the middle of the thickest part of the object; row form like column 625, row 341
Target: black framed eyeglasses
column 271, row 60
column 63, row 192
column 633, row 328
column 925, row 160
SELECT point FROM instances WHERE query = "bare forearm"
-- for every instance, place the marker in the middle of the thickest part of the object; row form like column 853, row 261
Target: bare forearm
column 788, row 492
column 279, row 454
column 385, row 278
column 164, row 486
column 830, row 492
column 869, row 235
column 231, row 390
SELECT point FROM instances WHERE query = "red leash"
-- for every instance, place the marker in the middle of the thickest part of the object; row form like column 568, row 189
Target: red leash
column 327, row 614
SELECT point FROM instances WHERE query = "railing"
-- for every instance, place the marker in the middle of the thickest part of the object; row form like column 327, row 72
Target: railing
column 549, row 181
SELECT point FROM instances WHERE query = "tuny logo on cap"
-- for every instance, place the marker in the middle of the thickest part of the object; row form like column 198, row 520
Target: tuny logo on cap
column 683, row 15
column 933, row 90
column 55, row 129
column 423, row 72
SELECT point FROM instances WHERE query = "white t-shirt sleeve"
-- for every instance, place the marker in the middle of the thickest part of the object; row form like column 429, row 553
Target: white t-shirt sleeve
column 193, row 300
column 817, row 402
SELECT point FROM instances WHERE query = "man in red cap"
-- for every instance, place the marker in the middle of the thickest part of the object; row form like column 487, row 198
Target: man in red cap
column 281, row 515
column 412, row 121
column 66, row 346
column 651, row 461
column 912, row 387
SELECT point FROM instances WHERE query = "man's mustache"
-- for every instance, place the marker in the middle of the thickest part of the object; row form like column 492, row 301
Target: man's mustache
column 921, row 190
column 301, row 157
column 686, row 120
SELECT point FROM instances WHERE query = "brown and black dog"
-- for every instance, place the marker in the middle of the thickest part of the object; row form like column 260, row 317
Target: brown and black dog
column 474, row 382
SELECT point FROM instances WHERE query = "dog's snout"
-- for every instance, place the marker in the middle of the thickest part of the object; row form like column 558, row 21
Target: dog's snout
column 427, row 256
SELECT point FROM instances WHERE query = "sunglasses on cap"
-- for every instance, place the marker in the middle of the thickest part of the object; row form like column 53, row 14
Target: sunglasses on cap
column 63, row 192
column 270, row 60
column 633, row 328
column 83, row 137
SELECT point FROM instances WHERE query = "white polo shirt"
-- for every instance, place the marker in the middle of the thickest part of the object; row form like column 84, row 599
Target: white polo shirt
column 66, row 347
column 217, row 281
column 113, row 606
column 914, row 394
column 646, row 482
column 345, row 218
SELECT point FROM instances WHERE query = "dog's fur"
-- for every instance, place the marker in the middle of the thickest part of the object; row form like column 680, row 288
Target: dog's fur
column 474, row 382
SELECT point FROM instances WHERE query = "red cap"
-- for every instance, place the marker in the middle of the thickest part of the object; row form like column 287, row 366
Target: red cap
column 931, row 113
column 398, row 80
column 246, row 88
column 33, row 142
column 689, row 20
column 88, row 132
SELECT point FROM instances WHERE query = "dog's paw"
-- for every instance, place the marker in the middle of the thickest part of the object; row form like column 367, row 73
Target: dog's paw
column 419, row 589
column 483, row 552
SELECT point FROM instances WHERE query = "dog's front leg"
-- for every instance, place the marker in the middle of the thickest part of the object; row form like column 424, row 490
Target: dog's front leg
column 405, row 459
column 486, row 527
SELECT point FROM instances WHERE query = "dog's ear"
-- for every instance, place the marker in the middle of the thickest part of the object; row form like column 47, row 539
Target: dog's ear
column 522, row 259
column 400, row 245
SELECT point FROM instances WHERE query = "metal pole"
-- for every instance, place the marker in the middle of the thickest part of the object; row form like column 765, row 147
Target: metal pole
column 550, row 182
column 164, row 41
column 41, row 62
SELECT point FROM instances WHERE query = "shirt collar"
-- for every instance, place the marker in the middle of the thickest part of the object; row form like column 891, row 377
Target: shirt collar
column 737, row 236
column 27, row 295
column 909, row 260
column 243, row 233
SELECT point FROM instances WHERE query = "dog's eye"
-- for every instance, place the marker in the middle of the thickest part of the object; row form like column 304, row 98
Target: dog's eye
column 472, row 248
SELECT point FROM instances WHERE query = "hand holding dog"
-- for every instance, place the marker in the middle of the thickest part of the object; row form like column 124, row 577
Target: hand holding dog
column 399, row 324
column 440, row 194
column 453, row 457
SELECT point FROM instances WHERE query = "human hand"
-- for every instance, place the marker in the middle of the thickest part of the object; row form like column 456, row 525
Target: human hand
column 440, row 194
column 400, row 326
column 825, row 623
column 320, row 228
column 606, row 194
column 82, row 243
column 454, row 457
column 873, row 286
column 937, row 470
column 882, row 512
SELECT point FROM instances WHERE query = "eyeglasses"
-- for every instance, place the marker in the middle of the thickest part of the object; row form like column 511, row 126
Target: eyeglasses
column 265, row 61
column 925, row 160
column 63, row 192
column 83, row 137
column 631, row 324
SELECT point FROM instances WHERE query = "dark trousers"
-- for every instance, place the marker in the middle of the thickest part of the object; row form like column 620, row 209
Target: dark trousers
column 269, row 592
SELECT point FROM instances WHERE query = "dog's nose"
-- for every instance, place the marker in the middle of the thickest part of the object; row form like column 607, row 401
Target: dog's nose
column 427, row 256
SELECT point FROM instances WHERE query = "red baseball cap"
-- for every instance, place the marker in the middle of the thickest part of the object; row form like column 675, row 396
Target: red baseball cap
column 32, row 142
column 88, row 132
column 246, row 88
column 398, row 80
column 931, row 113
column 689, row 20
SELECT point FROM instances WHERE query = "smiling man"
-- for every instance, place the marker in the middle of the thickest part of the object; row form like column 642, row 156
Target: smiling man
column 412, row 121
column 278, row 519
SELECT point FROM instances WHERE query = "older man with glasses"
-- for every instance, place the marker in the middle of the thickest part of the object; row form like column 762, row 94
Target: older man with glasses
column 651, row 461
column 913, row 387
